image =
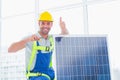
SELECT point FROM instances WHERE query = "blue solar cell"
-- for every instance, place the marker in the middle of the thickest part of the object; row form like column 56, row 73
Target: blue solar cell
column 82, row 58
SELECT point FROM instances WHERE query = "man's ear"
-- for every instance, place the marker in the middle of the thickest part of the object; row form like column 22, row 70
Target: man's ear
column 51, row 23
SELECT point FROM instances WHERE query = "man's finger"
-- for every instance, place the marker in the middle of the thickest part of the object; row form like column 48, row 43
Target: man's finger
column 36, row 37
column 60, row 19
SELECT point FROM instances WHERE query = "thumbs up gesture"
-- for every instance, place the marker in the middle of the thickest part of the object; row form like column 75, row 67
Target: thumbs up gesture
column 63, row 27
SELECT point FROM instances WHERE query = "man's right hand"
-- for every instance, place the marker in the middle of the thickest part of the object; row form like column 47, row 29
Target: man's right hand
column 21, row 44
column 33, row 38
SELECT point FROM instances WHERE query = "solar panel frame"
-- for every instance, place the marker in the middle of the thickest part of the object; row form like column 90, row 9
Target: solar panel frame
column 84, row 71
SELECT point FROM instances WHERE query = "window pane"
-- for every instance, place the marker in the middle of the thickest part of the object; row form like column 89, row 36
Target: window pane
column 45, row 4
column 15, row 7
column 72, row 17
column 14, row 29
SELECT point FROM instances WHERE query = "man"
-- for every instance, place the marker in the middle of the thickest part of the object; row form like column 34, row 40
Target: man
column 39, row 48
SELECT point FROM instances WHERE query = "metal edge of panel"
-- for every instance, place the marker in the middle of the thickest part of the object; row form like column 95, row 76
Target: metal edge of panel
column 109, row 56
column 82, row 35
column 0, row 22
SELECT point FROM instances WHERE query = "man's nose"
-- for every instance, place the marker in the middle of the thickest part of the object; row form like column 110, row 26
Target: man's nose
column 45, row 25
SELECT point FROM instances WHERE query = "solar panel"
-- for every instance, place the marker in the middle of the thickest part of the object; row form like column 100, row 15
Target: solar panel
column 82, row 58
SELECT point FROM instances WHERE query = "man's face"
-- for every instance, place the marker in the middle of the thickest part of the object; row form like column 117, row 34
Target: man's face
column 45, row 26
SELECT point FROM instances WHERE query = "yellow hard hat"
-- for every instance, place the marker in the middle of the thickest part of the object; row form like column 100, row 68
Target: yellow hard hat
column 45, row 16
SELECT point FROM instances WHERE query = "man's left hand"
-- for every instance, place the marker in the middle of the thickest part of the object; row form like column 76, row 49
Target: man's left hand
column 63, row 27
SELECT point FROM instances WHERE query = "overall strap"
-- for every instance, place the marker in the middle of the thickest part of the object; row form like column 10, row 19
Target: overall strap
column 47, row 48
column 51, row 48
column 42, row 48
column 34, row 51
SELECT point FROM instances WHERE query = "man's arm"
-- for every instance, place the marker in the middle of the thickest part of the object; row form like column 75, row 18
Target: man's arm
column 64, row 30
column 21, row 44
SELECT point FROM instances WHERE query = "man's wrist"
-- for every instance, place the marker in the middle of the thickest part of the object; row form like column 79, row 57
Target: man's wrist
column 26, row 40
column 65, row 31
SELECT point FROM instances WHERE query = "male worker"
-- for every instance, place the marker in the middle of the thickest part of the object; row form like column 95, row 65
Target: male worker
column 39, row 48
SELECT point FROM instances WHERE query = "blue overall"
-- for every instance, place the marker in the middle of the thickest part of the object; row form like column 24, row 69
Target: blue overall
column 42, row 65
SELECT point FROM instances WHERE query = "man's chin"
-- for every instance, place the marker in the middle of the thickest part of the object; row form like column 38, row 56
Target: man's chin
column 45, row 33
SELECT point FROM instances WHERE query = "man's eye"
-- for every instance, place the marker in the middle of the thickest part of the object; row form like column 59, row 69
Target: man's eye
column 48, row 23
column 43, row 23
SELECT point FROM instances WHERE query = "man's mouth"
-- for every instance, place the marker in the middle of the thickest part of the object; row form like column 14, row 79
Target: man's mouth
column 45, row 29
